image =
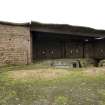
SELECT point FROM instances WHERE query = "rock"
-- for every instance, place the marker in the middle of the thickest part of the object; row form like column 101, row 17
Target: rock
column 88, row 62
column 102, row 63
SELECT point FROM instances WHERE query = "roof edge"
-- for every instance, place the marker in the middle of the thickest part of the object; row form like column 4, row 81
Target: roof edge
column 14, row 24
column 66, row 29
column 67, row 25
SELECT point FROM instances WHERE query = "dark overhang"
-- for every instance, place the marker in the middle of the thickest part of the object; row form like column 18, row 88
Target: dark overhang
column 66, row 29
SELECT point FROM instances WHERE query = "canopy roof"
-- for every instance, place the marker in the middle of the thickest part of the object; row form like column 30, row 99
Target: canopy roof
column 67, row 29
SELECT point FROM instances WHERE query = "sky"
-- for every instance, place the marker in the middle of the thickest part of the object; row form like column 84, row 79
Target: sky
column 89, row 13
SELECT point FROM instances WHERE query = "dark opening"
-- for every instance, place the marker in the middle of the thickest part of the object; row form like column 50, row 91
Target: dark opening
column 74, row 65
column 97, row 62
column 56, row 46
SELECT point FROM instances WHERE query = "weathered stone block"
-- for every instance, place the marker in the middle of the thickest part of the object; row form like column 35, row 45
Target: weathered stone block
column 102, row 63
column 87, row 62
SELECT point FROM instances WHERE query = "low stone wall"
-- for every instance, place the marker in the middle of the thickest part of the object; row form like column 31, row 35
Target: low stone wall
column 58, row 63
column 14, row 44
column 66, row 63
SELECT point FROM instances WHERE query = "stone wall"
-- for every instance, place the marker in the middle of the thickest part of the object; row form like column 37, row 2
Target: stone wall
column 15, row 44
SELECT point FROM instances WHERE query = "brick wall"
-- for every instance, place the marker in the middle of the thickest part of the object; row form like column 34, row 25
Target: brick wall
column 15, row 44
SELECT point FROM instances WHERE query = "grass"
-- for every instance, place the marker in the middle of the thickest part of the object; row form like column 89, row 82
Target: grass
column 30, row 85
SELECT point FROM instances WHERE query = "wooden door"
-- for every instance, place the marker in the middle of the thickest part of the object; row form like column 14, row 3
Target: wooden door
column 74, row 50
column 49, row 49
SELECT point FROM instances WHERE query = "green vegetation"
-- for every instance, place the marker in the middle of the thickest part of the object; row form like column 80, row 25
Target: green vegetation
column 30, row 85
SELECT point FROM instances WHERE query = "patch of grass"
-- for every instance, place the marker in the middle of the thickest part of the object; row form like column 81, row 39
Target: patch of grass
column 29, row 85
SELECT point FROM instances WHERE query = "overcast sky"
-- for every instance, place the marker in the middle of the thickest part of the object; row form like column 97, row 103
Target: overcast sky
column 89, row 13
